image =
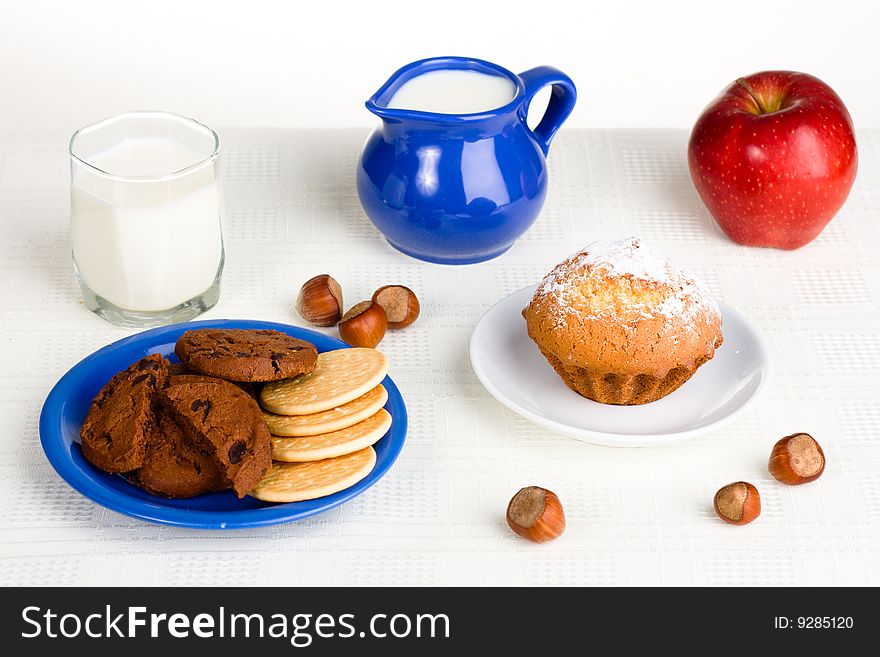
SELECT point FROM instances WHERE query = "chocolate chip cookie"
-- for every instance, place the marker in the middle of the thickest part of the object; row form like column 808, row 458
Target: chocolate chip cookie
column 245, row 355
column 225, row 422
column 178, row 369
column 114, row 434
column 178, row 379
column 252, row 389
column 173, row 466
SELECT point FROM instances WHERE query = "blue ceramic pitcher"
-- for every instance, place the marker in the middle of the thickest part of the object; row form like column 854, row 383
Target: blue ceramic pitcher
column 460, row 188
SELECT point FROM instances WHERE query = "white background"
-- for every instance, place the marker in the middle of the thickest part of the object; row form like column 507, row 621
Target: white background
column 312, row 64
column 634, row 516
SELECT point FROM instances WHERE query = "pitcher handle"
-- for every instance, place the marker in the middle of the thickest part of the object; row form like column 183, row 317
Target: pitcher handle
column 562, row 100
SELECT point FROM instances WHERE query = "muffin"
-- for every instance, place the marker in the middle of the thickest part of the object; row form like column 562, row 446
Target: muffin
column 623, row 324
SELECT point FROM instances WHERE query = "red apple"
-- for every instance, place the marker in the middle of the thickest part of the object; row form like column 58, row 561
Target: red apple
column 773, row 157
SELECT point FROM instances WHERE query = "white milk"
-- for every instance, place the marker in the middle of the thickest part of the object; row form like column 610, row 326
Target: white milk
column 146, row 245
column 454, row 92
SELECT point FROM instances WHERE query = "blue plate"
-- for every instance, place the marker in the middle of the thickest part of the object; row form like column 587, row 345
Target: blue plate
column 65, row 410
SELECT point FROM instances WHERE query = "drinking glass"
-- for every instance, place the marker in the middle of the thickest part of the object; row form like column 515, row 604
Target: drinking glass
column 145, row 212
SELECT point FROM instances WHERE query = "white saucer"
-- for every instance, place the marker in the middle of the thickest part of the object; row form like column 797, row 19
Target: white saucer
column 512, row 369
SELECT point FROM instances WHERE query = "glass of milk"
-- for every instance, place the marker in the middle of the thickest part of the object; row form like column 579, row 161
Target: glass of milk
column 145, row 207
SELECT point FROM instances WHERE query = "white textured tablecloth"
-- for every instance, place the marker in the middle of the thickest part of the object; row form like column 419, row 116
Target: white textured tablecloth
column 635, row 516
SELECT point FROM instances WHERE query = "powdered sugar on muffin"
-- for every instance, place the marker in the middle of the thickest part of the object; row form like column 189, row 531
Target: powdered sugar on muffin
column 649, row 283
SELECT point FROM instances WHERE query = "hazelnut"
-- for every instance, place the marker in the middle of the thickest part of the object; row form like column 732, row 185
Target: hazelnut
column 320, row 300
column 738, row 503
column 400, row 304
column 536, row 513
column 797, row 459
column 363, row 325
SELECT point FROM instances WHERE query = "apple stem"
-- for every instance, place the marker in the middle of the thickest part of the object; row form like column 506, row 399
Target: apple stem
column 745, row 85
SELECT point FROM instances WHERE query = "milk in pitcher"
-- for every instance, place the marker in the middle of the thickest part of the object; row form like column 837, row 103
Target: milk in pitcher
column 454, row 91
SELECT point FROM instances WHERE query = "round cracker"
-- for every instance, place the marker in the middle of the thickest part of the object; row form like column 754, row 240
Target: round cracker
column 339, row 377
column 335, row 419
column 336, row 443
column 295, row 482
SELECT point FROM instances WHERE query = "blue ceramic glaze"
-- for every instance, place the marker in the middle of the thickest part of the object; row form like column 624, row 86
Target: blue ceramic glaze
column 460, row 188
